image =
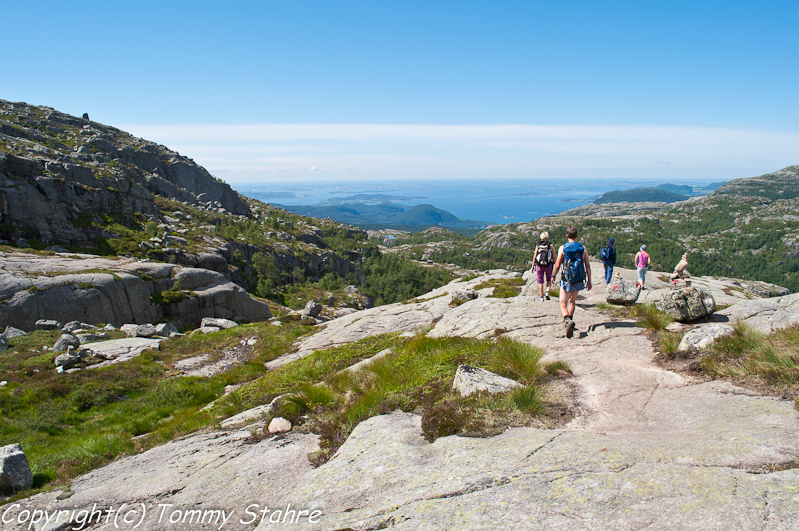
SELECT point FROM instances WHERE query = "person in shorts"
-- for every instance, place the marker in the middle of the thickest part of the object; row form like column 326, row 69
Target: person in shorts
column 543, row 265
column 568, row 290
column 642, row 261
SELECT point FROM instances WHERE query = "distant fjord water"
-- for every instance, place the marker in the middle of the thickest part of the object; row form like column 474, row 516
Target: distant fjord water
column 493, row 201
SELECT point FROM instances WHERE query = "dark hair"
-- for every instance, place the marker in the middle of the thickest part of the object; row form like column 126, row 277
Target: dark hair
column 571, row 233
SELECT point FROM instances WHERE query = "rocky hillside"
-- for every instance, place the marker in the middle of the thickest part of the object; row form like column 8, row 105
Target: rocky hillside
column 58, row 172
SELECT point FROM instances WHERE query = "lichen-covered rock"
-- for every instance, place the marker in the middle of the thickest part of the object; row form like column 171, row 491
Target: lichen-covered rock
column 687, row 304
column 470, row 380
column 704, row 336
column 621, row 291
column 15, row 472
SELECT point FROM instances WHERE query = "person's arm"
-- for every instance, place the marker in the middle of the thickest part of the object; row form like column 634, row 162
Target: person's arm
column 613, row 255
column 558, row 262
column 587, row 268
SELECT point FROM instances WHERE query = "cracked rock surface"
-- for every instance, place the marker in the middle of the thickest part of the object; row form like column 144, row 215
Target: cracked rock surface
column 651, row 449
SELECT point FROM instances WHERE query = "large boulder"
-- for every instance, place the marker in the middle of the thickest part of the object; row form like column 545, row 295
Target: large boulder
column 15, row 472
column 66, row 341
column 621, row 291
column 470, row 380
column 687, row 304
column 312, row 309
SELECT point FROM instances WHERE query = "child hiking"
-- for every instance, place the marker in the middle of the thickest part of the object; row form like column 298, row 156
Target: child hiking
column 642, row 260
column 542, row 264
column 576, row 275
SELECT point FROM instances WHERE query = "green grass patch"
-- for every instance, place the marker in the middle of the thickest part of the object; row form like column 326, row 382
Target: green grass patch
column 71, row 423
column 416, row 376
column 171, row 296
column 750, row 355
column 503, row 287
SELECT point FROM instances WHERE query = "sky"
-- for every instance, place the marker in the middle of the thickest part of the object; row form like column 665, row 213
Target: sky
column 276, row 91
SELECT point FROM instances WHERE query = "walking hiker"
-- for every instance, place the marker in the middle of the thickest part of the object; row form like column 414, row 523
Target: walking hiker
column 642, row 260
column 576, row 275
column 608, row 257
column 542, row 264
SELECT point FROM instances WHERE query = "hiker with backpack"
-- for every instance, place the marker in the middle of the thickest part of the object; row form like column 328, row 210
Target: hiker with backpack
column 642, row 261
column 608, row 257
column 576, row 275
column 542, row 264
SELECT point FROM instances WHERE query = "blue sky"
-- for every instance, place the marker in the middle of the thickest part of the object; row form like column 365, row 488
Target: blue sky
column 269, row 90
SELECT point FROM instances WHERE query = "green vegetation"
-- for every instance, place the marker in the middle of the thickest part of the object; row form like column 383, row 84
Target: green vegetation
column 170, row 296
column 747, row 354
column 71, row 423
column 391, row 278
column 503, row 287
column 415, row 376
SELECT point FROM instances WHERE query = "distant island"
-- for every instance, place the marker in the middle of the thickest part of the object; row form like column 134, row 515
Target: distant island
column 662, row 193
column 385, row 215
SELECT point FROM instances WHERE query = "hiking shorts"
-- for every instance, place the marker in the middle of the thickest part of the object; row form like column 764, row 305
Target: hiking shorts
column 642, row 274
column 544, row 271
column 565, row 286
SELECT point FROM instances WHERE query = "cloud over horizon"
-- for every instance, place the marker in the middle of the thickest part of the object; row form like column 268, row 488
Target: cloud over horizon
column 259, row 153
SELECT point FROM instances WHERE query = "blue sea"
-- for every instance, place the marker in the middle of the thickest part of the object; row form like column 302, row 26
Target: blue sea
column 494, row 201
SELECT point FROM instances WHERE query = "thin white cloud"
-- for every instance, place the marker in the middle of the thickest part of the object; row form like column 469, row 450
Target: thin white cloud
column 253, row 152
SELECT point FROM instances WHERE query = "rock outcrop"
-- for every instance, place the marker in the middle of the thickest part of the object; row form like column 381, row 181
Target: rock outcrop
column 58, row 171
column 98, row 290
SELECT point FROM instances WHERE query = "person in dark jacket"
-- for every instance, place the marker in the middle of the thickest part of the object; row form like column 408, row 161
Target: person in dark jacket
column 609, row 258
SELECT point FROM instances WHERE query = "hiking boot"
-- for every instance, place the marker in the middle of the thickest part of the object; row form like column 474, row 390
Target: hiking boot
column 547, row 296
column 542, row 299
column 568, row 324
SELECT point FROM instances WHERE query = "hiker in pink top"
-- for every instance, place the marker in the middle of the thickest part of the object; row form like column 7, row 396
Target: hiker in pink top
column 642, row 261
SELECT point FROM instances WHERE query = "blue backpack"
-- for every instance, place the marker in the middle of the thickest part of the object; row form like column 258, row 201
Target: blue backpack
column 604, row 254
column 573, row 266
